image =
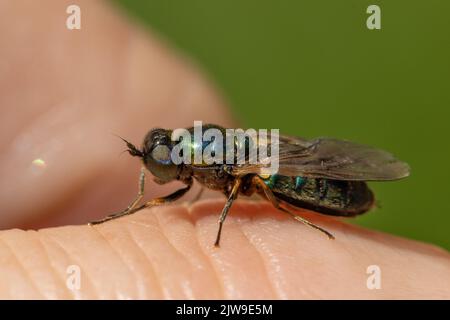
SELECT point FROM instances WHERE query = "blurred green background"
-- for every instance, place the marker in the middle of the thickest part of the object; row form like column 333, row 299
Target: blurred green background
column 312, row 68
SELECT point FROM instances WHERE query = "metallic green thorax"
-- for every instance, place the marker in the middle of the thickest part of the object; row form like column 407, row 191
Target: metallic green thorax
column 205, row 147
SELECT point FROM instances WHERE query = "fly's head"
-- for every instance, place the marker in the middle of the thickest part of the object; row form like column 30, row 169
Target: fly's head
column 156, row 155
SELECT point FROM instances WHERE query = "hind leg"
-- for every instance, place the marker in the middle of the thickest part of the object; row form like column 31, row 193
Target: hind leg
column 271, row 197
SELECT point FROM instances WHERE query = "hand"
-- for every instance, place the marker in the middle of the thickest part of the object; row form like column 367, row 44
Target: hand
column 63, row 94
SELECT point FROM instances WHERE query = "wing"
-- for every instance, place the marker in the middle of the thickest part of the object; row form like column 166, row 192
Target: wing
column 331, row 159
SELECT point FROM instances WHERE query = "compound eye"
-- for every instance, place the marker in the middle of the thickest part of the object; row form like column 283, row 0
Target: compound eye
column 161, row 154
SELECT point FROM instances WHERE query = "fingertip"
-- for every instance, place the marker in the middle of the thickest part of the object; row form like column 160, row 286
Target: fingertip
column 169, row 252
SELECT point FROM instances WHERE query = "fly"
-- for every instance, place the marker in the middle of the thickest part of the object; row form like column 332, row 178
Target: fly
column 324, row 175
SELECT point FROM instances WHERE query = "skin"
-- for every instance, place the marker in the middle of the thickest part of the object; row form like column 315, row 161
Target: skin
column 62, row 94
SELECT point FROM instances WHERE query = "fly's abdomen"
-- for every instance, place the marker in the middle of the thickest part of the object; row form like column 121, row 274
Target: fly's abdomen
column 333, row 197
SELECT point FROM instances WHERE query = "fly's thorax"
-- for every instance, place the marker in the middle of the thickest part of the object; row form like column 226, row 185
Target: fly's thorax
column 212, row 177
column 199, row 146
column 212, row 144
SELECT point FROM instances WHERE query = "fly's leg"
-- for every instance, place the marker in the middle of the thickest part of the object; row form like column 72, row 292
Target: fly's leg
column 231, row 197
column 154, row 202
column 140, row 193
column 306, row 222
column 271, row 197
column 157, row 201
column 163, row 200
column 132, row 204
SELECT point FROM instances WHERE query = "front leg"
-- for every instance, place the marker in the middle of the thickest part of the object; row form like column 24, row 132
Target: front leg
column 167, row 199
column 154, row 202
column 132, row 204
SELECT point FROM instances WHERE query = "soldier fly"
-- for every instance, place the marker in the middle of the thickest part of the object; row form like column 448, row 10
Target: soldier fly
column 324, row 175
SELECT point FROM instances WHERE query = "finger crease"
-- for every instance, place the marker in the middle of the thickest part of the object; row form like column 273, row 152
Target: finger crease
column 61, row 279
column 22, row 266
column 150, row 263
column 216, row 273
column 263, row 261
column 76, row 262
column 120, row 256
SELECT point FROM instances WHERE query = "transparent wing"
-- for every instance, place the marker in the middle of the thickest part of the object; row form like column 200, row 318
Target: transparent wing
column 331, row 159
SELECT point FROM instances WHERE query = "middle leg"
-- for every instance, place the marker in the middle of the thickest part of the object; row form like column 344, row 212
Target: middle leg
column 231, row 197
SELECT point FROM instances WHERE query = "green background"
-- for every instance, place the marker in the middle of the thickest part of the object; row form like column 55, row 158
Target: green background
column 312, row 68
